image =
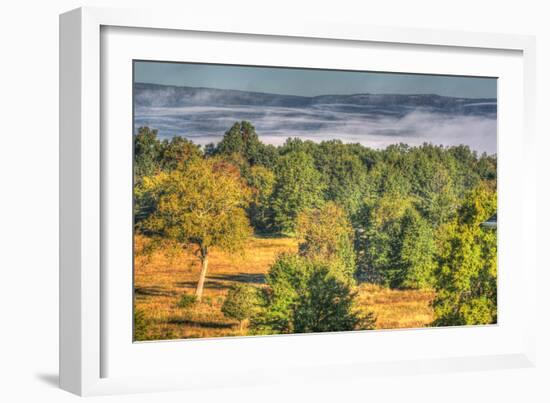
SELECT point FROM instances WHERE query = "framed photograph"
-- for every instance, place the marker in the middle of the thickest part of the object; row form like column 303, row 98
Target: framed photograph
column 240, row 205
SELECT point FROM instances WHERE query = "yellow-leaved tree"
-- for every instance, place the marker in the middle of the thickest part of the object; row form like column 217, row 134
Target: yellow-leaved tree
column 202, row 203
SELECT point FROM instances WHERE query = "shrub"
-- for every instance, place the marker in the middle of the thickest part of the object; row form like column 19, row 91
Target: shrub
column 187, row 301
column 305, row 296
column 241, row 303
column 325, row 305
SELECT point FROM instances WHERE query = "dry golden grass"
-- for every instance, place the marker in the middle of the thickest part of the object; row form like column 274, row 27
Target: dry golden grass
column 397, row 309
column 162, row 277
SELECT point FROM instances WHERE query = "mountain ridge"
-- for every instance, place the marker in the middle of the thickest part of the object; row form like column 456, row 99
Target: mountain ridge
column 160, row 95
column 143, row 84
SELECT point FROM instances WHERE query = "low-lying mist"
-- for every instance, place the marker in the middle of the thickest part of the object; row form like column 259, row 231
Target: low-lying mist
column 204, row 120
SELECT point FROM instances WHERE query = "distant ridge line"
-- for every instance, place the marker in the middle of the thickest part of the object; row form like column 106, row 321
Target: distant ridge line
column 427, row 95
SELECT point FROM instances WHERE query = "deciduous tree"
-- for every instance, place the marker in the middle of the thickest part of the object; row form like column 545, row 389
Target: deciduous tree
column 177, row 152
column 467, row 265
column 262, row 182
column 242, row 139
column 147, row 149
column 326, row 236
column 202, row 204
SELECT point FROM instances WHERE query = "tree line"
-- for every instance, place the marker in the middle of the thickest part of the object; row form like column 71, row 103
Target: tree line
column 403, row 217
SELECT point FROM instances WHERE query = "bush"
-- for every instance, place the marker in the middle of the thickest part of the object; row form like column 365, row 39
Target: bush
column 241, row 303
column 187, row 301
column 325, row 305
column 304, row 296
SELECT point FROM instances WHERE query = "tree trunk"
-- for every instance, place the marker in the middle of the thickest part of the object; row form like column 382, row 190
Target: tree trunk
column 202, row 277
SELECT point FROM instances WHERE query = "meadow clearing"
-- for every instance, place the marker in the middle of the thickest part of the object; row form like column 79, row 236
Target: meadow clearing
column 164, row 275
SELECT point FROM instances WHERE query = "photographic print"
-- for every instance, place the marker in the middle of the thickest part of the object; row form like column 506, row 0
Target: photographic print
column 274, row 200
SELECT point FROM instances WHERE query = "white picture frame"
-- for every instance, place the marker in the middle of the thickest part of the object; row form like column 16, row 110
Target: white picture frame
column 84, row 310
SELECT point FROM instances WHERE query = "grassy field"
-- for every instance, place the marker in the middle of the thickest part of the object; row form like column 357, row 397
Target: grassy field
column 162, row 277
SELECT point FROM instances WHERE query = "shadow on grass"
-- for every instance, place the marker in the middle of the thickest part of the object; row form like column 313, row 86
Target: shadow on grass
column 213, row 285
column 249, row 278
column 199, row 323
column 271, row 235
column 223, row 281
column 153, row 292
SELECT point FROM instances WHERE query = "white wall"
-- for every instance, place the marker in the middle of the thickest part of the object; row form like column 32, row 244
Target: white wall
column 29, row 186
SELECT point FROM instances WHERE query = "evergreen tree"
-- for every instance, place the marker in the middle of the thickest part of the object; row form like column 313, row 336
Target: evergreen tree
column 395, row 245
column 304, row 296
column 298, row 187
column 343, row 172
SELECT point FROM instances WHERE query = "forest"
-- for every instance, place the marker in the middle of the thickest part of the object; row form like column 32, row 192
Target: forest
column 246, row 238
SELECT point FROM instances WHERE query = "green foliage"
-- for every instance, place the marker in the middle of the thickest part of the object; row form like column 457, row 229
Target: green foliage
column 385, row 180
column 242, row 139
column 379, row 227
column 467, row 272
column 298, row 187
column 324, row 305
column 415, row 252
column 202, row 203
column 294, row 145
column 404, row 217
column 286, row 278
column 262, row 182
column 147, row 150
column 465, row 173
column 343, row 172
column 396, row 245
column 432, row 184
column 177, row 152
column 304, row 296
column 241, row 302
column 326, row 236
column 187, row 301
column 487, row 167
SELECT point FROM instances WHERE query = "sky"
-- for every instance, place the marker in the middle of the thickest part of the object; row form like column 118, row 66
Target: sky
column 310, row 82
